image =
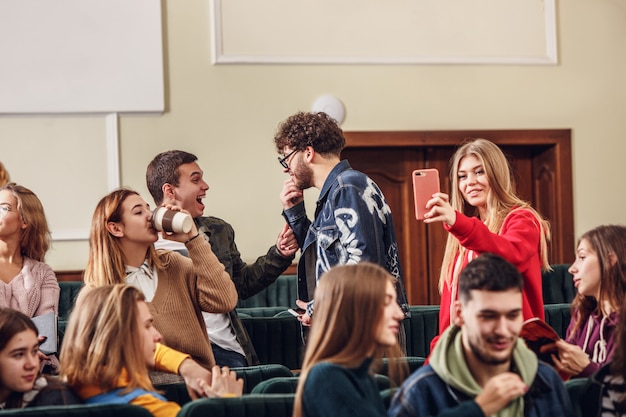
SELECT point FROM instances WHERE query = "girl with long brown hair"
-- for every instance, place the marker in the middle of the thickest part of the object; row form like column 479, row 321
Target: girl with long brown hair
column 356, row 322
column 599, row 273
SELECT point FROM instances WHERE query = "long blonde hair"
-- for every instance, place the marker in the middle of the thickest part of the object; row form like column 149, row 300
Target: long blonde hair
column 35, row 238
column 349, row 304
column 102, row 340
column 106, row 263
column 500, row 201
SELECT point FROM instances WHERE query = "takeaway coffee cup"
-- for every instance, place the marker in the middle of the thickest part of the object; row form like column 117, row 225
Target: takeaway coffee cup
column 171, row 220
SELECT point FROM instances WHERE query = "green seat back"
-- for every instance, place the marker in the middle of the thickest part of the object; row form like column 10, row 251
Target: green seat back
column 80, row 410
column 558, row 285
column 252, row 405
column 558, row 317
column 276, row 339
column 420, row 329
column 283, row 292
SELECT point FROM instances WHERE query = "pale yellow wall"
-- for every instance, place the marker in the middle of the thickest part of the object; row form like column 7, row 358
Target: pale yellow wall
column 227, row 116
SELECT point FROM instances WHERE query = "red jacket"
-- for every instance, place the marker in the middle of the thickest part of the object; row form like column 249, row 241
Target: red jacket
column 518, row 242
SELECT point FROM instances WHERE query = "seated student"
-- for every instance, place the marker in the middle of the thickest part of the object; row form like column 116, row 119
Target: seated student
column 604, row 395
column 600, row 276
column 110, row 344
column 177, row 288
column 480, row 367
column 357, row 319
column 20, row 379
column 30, row 285
column 19, row 358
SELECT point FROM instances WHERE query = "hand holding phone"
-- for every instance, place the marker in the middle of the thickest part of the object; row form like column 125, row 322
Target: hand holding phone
column 296, row 312
column 425, row 184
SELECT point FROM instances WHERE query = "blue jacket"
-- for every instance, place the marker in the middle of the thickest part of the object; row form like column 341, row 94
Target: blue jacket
column 352, row 224
column 425, row 394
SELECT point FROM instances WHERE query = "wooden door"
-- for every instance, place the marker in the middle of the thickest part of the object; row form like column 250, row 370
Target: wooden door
column 541, row 163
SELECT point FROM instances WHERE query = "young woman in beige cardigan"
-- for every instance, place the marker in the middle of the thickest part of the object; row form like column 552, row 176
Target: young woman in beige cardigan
column 177, row 288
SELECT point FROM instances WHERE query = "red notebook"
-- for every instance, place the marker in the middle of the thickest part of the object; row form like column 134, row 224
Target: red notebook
column 537, row 333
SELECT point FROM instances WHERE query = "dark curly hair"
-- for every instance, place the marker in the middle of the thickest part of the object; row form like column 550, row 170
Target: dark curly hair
column 318, row 130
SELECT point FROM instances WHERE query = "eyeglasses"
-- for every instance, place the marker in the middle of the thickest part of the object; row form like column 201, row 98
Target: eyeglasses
column 283, row 160
column 4, row 210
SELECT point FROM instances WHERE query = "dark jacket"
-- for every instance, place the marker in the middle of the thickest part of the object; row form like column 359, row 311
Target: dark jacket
column 425, row 394
column 352, row 224
column 249, row 279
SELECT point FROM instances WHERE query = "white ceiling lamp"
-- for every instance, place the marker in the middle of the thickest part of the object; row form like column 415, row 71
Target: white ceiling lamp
column 330, row 105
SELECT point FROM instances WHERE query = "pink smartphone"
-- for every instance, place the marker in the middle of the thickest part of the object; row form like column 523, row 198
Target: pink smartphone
column 425, row 184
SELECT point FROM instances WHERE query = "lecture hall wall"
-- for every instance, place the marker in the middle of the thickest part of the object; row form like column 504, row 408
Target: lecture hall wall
column 227, row 115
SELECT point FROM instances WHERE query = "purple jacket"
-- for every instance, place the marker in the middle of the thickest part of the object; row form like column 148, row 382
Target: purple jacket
column 602, row 342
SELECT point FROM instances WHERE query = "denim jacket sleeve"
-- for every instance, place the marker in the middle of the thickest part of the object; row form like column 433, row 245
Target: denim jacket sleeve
column 298, row 221
column 360, row 215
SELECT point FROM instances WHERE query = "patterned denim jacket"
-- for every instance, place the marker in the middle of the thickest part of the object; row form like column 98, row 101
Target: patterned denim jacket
column 352, row 224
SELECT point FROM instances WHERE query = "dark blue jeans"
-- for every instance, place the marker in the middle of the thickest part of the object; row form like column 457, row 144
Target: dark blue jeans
column 228, row 358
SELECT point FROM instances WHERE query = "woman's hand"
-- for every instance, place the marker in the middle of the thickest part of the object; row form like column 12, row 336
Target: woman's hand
column 180, row 237
column 224, row 383
column 440, row 210
column 570, row 359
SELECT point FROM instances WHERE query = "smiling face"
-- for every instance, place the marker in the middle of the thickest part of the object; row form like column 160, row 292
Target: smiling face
column 473, row 182
column 135, row 225
column 490, row 322
column 19, row 364
column 586, row 270
column 148, row 335
column 390, row 322
column 11, row 223
column 191, row 189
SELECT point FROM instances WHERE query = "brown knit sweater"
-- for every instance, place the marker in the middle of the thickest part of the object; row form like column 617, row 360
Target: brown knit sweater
column 188, row 286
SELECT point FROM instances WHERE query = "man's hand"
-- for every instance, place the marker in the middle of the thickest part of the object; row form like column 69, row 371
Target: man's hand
column 286, row 243
column 290, row 194
column 192, row 372
column 499, row 391
column 305, row 319
column 224, row 383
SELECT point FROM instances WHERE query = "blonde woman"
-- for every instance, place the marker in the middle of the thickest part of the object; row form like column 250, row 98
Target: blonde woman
column 111, row 343
column 356, row 322
column 28, row 284
column 483, row 214
column 177, row 288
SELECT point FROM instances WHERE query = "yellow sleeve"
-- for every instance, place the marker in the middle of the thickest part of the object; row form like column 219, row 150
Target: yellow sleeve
column 157, row 407
column 167, row 359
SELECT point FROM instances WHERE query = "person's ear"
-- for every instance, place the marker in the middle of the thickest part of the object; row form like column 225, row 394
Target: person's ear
column 457, row 313
column 612, row 259
column 168, row 192
column 115, row 229
column 309, row 153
